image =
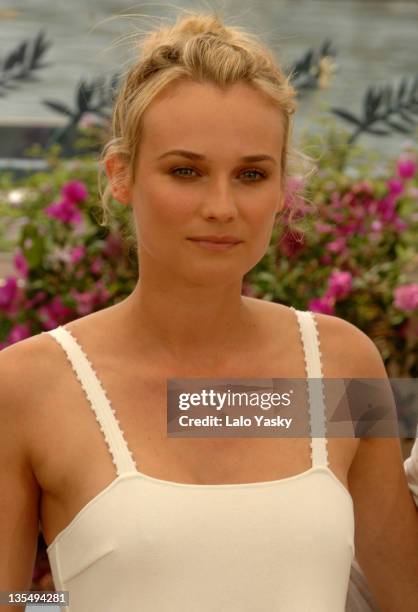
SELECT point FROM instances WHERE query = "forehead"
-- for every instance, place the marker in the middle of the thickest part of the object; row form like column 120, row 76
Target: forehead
column 204, row 117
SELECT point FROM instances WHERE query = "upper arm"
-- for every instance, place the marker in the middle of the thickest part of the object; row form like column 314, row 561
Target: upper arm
column 386, row 518
column 386, row 523
column 20, row 492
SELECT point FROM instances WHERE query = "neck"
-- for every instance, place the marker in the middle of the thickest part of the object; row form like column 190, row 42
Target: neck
column 187, row 322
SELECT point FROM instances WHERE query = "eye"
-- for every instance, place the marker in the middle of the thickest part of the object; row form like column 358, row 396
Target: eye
column 182, row 168
column 262, row 174
column 258, row 172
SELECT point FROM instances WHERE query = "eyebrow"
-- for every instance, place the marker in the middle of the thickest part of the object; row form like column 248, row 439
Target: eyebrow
column 199, row 156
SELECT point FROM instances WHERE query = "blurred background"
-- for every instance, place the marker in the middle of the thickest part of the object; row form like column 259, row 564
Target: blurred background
column 374, row 43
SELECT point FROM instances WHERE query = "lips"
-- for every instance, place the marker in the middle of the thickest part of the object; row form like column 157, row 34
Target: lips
column 216, row 239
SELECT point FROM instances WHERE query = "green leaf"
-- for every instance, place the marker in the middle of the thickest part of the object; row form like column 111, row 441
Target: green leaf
column 32, row 244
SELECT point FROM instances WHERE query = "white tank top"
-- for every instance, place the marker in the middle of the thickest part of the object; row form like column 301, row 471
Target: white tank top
column 153, row 545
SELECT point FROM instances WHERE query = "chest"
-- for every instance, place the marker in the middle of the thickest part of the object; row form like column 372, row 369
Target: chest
column 74, row 463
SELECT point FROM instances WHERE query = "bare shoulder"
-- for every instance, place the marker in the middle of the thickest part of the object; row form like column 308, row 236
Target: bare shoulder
column 354, row 354
column 26, row 364
column 28, row 369
column 348, row 352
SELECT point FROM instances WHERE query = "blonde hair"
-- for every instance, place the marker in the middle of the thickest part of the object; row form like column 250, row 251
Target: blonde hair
column 201, row 48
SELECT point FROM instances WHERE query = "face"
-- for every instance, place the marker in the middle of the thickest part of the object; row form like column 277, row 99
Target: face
column 179, row 196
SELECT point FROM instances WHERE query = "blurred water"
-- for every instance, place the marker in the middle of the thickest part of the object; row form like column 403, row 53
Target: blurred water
column 376, row 42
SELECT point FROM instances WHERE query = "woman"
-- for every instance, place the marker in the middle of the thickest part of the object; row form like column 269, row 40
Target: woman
column 134, row 519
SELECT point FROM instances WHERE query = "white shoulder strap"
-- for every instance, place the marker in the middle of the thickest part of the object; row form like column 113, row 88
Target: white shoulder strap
column 97, row 398
column 313, row 366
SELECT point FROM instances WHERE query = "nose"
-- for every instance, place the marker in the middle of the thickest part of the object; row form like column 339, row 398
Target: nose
column 219, row 203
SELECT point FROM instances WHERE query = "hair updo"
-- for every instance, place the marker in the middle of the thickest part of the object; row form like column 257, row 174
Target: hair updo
column 201, row 48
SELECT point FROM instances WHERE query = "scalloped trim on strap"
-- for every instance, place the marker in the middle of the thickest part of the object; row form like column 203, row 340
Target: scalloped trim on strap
column 99, row 402
column 313, row 365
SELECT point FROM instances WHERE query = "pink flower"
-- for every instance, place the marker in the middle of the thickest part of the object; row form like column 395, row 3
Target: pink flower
column 376, row 225
column 20, row 331
column 406, row 297
column 293, row 184
column 77, row 253
column 75, row 191
column 85, row 301
column 372, row 206
column 113, row 246
column 359, row 212
column 8, row 292
column 102, row 294
column 323, row 304
column 96, row 266
column 340, row 284
column 387, row 209
column 54, row 313
column 396, row 186
column 350, row 227
column 337, row 200
column 338, row 217
column 292, row 242
column 21, row 264
column 337, row 246
column 326, row 259
column 323, row 228
column 362, row 186
column 65, row 211
column 407, row 167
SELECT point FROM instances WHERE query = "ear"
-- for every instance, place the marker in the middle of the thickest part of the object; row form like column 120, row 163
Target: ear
column 118, row 175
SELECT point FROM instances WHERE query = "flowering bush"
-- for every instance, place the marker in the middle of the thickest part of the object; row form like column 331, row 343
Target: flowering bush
column 66, row 264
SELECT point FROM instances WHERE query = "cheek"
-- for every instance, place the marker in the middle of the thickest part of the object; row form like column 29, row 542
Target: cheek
column 162, row 215
column 164, row 204
column 261, row 214
column 260, row 221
